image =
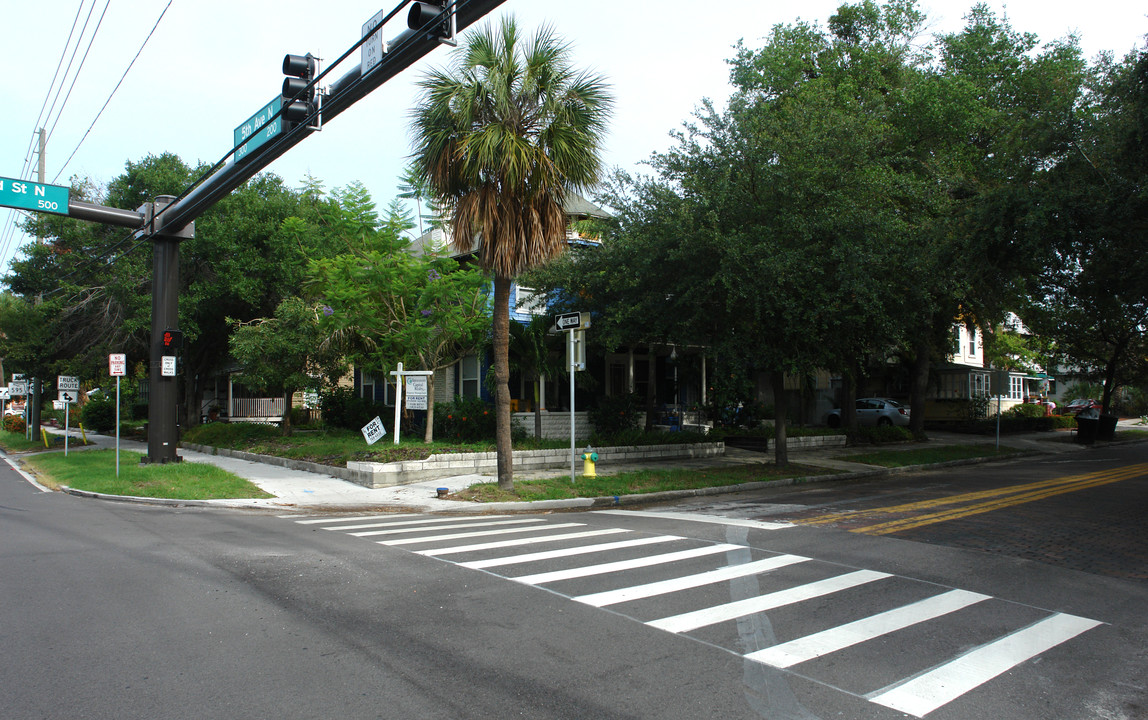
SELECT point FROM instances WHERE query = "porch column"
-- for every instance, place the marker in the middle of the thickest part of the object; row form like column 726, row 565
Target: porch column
column 230, row 398
column 630, row 371
column 542, row 393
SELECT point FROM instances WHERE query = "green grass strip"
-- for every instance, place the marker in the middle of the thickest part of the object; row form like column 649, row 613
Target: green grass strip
column 928, row 456
column 95, row 471
column 633, row 483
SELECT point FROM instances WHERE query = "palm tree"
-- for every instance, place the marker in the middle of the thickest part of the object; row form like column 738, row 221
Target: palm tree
column 501, row 137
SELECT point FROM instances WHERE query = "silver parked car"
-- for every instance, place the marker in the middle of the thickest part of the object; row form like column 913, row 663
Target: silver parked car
column 873, row 411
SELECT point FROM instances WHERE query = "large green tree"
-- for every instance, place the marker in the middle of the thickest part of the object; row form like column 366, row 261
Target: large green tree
column 501, row 137
column 1091, row 212
column 94, row 281
column 384, row 304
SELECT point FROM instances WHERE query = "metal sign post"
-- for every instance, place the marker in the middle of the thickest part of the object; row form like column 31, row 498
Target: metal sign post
column 574, row 325
column 117, row 368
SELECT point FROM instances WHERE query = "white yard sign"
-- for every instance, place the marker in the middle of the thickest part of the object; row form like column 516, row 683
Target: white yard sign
column 374, row 431
column 416, row 392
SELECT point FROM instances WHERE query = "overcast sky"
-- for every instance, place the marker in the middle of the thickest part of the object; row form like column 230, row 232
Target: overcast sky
column 211, row 64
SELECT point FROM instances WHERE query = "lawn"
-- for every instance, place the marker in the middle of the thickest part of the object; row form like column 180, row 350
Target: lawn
column 16, row 442
column 928, row 456
column 95, row 471
column 633, row 483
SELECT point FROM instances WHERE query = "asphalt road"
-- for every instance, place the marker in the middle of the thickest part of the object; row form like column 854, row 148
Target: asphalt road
column 125, row 611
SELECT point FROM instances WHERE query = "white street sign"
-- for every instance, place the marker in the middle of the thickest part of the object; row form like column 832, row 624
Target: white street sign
column 68, row 382
column 416, row 392
column 118, row 365
column 18, row 387
column 168, row 367
column 572, row 321
column 69, row 396
column 374, row 431
column 375, row 47
column 4, row 394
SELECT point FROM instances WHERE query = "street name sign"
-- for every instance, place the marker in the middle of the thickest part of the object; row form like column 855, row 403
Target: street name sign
column 258, row 129
column 29, row 195
column 117, row 364
column 572, row 321
column 374, row 431
column 68, row 382
column 375, row 47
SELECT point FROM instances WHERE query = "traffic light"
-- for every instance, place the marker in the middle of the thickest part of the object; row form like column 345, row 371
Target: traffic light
column 299, row 91
column 434, row 19
column 172, row 340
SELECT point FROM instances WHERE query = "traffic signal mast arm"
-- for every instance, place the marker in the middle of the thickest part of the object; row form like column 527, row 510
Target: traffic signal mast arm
column 406, row 49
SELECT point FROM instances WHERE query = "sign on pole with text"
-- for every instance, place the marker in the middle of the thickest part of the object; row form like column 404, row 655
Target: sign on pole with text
column 118, row 365
column 33, row 196
column 68, row 382
column 416, row 392
column 167, row 367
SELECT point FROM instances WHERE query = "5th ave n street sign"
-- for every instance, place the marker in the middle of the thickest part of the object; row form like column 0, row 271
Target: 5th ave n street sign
column 29, row 195
column 258, row 129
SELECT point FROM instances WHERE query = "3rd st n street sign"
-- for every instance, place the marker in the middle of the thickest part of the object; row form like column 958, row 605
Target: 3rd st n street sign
column 29, row 195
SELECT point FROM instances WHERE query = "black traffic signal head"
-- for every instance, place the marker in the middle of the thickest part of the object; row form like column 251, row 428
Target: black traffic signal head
column 431, row 18
column 298, row 88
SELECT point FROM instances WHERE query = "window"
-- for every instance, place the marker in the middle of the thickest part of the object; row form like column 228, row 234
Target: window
column 1015, row 387
column 468, row 376
column 527, row 300
column 973, row 344
column 369, row 387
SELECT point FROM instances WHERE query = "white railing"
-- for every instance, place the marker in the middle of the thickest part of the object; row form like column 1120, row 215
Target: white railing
column 257, row 407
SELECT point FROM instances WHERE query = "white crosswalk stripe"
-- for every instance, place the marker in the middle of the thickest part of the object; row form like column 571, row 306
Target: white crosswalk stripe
column 678, row 576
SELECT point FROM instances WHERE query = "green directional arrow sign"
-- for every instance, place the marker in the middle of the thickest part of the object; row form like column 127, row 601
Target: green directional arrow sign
column 29, row 195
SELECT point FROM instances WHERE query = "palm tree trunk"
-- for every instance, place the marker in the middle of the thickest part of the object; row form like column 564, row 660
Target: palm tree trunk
column 501, row 333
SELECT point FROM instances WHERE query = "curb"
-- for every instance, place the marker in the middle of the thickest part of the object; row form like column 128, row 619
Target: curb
column 569, row 504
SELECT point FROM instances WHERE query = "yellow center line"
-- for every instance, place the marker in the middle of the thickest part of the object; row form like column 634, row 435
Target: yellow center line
column 957, row 513
column 965, row 497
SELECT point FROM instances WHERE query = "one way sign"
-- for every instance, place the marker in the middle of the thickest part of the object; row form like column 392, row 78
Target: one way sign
column 571, row 321
column 69, row 396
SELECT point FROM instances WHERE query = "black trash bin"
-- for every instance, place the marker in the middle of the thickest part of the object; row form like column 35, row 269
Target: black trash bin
column 1086, row 428
column 1106, row 430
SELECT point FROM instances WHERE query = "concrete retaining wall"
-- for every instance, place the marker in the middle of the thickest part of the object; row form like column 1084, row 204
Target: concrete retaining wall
column 373, row 474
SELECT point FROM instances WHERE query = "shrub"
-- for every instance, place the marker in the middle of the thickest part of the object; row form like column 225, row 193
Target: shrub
column 14, row 424
column 99, row 414
column 1027, row 410
column 879, row 434
column 465, row 420
column 615, row 415
column 342, row 408
column 139, row 411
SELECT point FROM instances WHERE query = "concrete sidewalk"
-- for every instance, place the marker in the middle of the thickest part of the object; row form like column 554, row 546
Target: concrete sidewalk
column 301, row 491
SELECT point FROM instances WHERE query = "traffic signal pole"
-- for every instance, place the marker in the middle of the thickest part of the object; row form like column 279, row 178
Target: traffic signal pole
column 163, row 390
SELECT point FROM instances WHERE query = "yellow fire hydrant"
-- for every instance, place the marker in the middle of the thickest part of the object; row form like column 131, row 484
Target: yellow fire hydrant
column 588, row 459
